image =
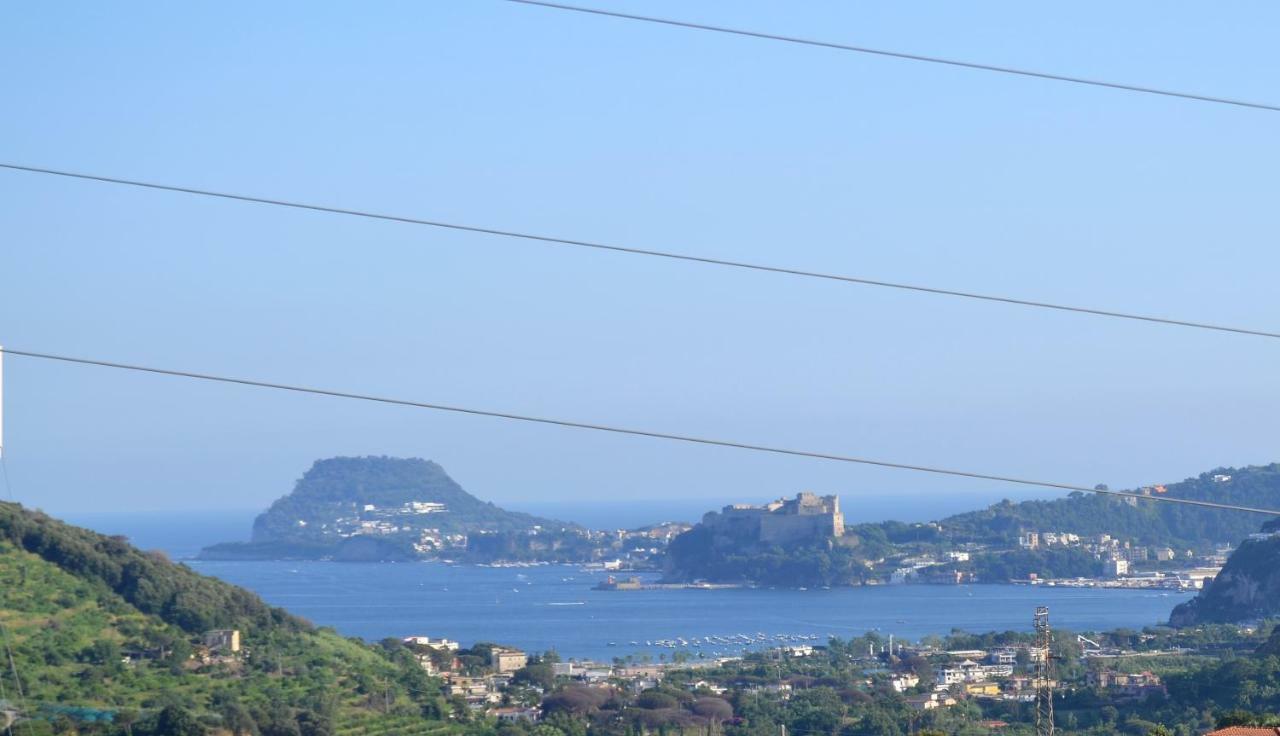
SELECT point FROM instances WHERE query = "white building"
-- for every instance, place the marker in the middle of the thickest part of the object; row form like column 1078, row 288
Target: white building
column 514, row 714
column 1003, row 656
column 565, row 669
column 426, row 641
column 904, row 682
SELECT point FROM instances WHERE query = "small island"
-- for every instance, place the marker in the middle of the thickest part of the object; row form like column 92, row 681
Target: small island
column 388, row 509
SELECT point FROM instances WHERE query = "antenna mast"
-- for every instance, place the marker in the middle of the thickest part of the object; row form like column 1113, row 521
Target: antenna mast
column 1044, row 673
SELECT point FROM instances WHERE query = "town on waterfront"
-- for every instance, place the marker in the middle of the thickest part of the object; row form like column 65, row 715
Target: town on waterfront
column 409, row 509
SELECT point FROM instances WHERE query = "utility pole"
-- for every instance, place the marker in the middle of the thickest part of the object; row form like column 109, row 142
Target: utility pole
column 1044, row 673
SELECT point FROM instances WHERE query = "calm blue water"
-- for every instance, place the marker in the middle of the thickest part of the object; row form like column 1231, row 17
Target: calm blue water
column 526, row 607
column 554, row 607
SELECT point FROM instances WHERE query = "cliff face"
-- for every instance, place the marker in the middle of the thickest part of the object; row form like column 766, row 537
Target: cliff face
column 1247, row 588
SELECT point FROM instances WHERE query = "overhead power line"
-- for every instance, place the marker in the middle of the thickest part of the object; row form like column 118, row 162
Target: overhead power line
column 556, row 240
column 901, row 55
column 625, row 430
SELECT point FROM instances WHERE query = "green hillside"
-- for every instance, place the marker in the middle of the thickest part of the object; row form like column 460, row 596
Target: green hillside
column 1176, row 525
column 101, row 631
column 1248, row 588
column 331, row 508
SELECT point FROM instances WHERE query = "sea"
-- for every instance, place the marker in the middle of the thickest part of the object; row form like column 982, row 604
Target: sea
column 553, row 607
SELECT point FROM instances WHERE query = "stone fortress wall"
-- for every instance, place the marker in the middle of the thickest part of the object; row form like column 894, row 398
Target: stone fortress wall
column 806, row 518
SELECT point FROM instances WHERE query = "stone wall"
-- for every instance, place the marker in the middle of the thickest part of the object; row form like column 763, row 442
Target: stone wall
column 805, row 518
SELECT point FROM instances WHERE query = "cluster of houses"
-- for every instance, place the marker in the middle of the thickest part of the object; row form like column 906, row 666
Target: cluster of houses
column 1120, row 558
column 481, row 692
column 971, row 673
column 373, row 520
column 484, row 692
column 1000, row 673
column 993, row 674
column 1104, row 546
column 636, row 548
column 929, row 568
column 1126, row 685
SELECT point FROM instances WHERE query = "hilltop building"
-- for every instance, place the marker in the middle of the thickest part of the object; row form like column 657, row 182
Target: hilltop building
column 222, row 640
column 805, row 518
column 504, row 659
column 515, row 714
column 447, row 645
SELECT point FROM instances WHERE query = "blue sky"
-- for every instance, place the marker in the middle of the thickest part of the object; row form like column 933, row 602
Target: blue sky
column 484, row 112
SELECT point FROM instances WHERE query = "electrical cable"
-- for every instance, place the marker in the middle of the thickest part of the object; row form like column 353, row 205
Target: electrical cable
column 1123, row 86
column 630, row 431
column 555, row 240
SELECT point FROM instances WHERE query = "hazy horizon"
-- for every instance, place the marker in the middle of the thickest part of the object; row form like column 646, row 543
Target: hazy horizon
column 877, row 507
column 183, row 532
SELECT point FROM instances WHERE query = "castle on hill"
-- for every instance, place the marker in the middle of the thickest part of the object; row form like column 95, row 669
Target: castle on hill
column 806, row 518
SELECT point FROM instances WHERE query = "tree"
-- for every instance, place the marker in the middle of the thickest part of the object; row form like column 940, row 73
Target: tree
column 656, row 700
column 575, row 700
column 879, row 723
column 126, row 718
column 175, row 720
column 714, row 710
column 311, row 723
column 539, row 675
column 237, row 720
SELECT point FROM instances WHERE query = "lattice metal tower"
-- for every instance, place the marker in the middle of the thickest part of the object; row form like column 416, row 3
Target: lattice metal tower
column 1044, row 673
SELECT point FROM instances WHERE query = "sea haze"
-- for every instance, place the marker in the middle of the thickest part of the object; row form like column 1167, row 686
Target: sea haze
column 179, row 534
column 182, row 534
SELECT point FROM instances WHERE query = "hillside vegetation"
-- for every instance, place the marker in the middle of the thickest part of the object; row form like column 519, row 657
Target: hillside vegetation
column 1176, row 525
column 104, row 632
column 874, row 550
column 324, row 514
